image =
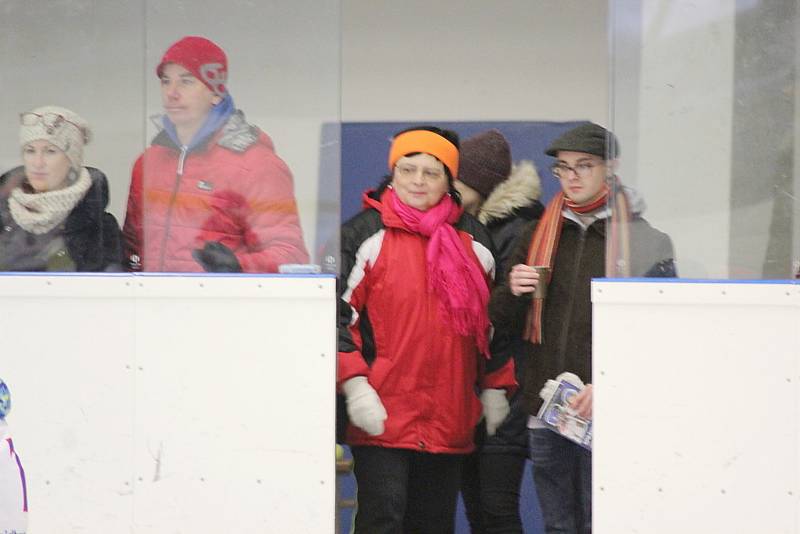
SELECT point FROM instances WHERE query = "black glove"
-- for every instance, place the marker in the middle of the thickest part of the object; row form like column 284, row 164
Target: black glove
column 215, row 257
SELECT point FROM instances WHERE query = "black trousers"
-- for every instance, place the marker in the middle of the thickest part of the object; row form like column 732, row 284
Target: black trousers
column 490, row 488
column 405, row 492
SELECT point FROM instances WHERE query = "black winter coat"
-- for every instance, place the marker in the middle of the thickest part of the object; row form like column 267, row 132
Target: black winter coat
column 508, row 210
column 511, row 436
column 89, row 238
column 567, row 317
column 505, row 232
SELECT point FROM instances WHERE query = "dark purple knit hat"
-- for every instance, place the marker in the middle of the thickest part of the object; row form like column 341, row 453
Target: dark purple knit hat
column 485, row 161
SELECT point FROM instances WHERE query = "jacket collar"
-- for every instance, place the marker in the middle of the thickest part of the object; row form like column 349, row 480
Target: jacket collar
column 635, row 200
column 236, row 135
column 521, row 189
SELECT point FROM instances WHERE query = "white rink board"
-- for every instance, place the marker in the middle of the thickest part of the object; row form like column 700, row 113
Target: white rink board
column 696, row 407
column 165, row 404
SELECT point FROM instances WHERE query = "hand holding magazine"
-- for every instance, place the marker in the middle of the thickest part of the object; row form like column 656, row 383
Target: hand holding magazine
column 557, row 413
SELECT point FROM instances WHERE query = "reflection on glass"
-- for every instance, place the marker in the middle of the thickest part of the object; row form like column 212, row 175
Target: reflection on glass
column 52, row 207
column 210, row 193
column 705, row 101
column 593, row 197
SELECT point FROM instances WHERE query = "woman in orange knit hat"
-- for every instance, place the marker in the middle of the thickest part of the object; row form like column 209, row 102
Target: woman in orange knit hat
column 414, row 336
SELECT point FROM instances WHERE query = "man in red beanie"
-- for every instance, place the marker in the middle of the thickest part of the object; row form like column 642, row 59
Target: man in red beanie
column 209, row 194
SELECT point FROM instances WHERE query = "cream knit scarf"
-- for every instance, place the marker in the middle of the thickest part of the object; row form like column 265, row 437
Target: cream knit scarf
column 38, row 213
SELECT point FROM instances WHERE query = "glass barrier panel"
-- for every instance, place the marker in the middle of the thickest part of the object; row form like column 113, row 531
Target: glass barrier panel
column 237, row 171
column 704, row 103
column 70, row 124
column 71, row 112
column 241, row 169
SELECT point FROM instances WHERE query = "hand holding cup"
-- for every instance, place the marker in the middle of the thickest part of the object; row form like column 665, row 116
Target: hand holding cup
column 529, row 279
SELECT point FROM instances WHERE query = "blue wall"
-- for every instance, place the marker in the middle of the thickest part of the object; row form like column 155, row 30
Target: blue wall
column 365, row 149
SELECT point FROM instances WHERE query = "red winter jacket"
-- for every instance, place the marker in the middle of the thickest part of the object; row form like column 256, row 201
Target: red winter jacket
column 424, row 372
column 234, row 189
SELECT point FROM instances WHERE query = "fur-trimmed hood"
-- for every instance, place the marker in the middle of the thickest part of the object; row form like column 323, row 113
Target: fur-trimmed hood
column 522, row 187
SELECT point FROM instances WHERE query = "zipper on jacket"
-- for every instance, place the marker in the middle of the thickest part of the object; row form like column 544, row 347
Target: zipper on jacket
column 168, row 222
column 182, row 159
column 562, row 350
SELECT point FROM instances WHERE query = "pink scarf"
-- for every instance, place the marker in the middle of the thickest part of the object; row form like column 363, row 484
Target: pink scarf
column 453, row 275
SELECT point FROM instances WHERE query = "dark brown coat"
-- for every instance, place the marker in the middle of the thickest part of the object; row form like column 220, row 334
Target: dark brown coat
column 567, row 318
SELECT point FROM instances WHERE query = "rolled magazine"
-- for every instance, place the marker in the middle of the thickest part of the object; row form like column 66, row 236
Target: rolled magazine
column 558, row 416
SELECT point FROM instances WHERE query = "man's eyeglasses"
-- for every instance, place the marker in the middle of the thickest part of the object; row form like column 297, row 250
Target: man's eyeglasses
column 408, row 171
column 51, row 121
column 582, row 170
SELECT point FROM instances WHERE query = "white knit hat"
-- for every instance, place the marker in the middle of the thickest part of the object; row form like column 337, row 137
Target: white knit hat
column 59, row 126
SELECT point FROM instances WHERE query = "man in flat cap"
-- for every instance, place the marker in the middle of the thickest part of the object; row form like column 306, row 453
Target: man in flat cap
column 568, row 244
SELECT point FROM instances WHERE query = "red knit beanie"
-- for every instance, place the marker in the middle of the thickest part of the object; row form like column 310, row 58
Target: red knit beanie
column 203, row 58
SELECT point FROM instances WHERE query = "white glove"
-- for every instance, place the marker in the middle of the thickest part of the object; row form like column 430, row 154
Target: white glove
column 550, row 386
column 364, row 406
column 495, row 408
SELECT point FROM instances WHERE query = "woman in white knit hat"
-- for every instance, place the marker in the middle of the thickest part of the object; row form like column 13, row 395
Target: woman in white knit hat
column 53, row 209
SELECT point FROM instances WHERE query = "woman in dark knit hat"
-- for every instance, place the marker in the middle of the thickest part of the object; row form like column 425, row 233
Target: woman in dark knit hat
column 414, row 339
column 504, row 197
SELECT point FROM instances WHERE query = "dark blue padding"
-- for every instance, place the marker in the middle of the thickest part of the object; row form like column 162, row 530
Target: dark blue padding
column 365, row 150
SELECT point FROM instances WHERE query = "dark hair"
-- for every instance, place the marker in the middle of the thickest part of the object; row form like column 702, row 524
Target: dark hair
column 450, row 135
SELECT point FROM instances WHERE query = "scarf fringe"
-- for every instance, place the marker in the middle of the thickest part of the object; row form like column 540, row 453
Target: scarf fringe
column 462, row 316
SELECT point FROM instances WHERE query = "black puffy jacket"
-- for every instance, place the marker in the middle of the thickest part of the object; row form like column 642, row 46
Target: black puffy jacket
column 87, row 241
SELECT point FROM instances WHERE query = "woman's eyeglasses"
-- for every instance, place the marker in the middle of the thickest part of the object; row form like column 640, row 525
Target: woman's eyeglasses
column 408, row 171
column 51, row 121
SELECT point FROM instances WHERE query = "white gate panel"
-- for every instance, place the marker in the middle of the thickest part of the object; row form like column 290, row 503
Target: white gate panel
column 696, row 414
column 155, row 404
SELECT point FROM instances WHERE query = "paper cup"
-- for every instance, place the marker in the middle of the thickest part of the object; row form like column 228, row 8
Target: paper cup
column 544, row 279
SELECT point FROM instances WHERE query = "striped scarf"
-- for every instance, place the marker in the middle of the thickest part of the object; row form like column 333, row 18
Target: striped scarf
column 544, row 243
